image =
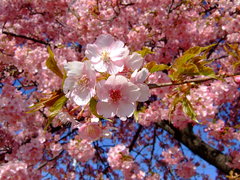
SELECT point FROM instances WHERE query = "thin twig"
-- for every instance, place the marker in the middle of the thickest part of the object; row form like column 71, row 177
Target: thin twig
column 54, row 158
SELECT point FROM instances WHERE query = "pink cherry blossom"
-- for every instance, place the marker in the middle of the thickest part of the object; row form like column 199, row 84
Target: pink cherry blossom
column 117, row 96
column 166, row 27
column 186, row 170
column 79, row 86
column 235, row 163
column 172, row 155
column 106, row 54
column 81, row 150
column 17, row 170
column 116, row 156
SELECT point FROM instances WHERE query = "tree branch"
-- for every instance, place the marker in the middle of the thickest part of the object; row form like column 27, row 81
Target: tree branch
column 135, row 137
column 198, row 146
column 195, row 80
column 25, row 37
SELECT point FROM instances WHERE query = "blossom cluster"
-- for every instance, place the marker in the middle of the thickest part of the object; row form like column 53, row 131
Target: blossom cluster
column 80, row 150
column 111, row 75
column 119, row 158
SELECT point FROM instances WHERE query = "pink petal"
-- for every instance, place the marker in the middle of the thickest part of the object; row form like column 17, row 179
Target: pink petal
column 69, row 84
column 140, row 77
column 80, row 95
column 105, row 109
column 130, row 92
column 134, row 61
column 104, row 41
column 114, row 69
column 116, row 81
column 92, row 53
column 144, row 93
column 117, row 45
column 125, row 109
column 101, row 66
column 102, row 91
column 119, row 54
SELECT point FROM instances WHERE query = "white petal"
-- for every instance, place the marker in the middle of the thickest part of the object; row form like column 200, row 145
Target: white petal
column 117, row 45
column 134, row 61
column 69, row 84
column 106, row 109
column 119, row 54
column 74, row 68
column 114, row 69
column 90, row 72
column 80, row 95
column 125, row 109
column 144, row 93
column 141, row 76
column 101, row 66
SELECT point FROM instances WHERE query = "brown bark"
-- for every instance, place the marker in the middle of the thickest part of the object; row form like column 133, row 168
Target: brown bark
column 198, row 146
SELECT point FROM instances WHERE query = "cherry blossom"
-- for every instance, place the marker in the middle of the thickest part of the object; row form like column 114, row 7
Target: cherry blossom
column 186, row 170
column 80, row 150
column 98, row 47
column 106, row 54
column 172, row 155
column 117, row 96
column 80, row 82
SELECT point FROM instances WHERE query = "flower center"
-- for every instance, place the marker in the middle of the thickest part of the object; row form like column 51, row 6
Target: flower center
column 105, row 56
column 115, row 95
column 83, row 81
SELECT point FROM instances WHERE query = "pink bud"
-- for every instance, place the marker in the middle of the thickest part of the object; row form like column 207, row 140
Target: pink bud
column 237, row 79
column 90, row 131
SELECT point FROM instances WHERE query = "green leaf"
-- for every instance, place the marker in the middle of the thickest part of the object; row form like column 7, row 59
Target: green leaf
column 57, row 106
column 233, row 50
column 52, row 64
column 135, row 115
column 145, row 51
column 154, row 67
column 177, row 99
column 159, row 67
column 55, row 109
column 191, row 63
column 188, row 109
column 93, row 107
column 46, row 102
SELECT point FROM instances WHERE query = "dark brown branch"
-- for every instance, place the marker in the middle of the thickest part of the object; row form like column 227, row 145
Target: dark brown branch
column 135, row 137
column 154, row 141
column 25, row 37
column 103, row 160
column 198, row 146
